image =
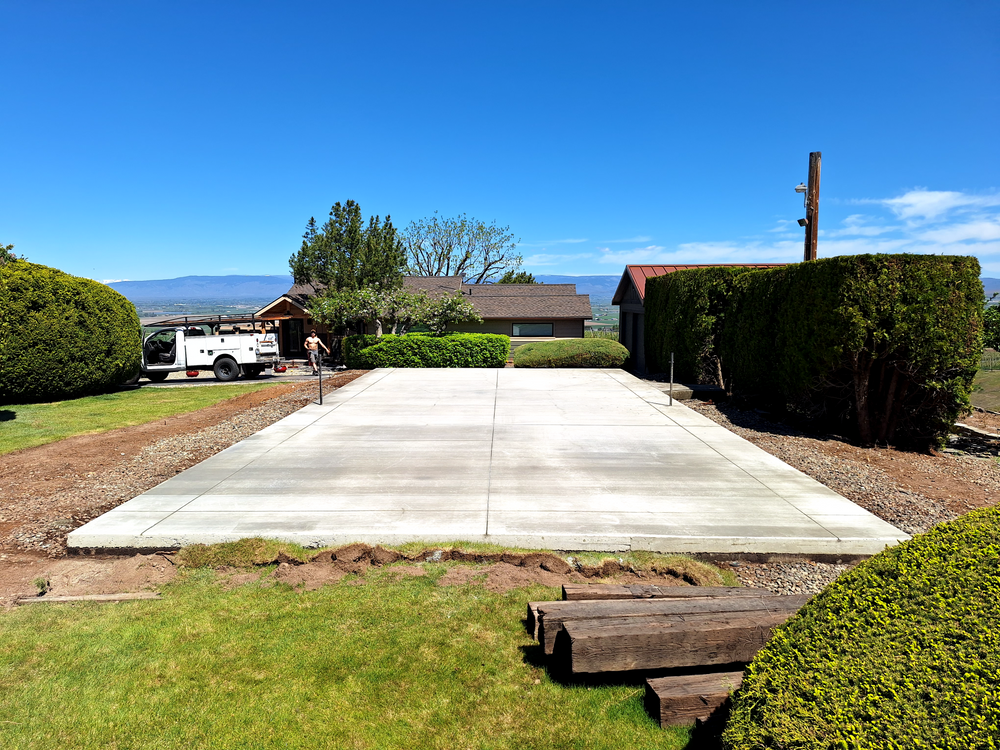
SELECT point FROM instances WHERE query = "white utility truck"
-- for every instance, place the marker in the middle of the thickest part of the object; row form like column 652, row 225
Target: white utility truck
column 228, row 347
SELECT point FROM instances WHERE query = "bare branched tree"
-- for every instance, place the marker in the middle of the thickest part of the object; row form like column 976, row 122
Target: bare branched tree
column 472, row 249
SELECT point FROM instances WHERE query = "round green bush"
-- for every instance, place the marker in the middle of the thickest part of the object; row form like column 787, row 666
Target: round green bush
column 903, row 651
column 427, row 350
column 571, row 353
column 62, row 336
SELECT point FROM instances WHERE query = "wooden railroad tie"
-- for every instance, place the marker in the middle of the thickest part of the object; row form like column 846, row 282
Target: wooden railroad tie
column 685, row 699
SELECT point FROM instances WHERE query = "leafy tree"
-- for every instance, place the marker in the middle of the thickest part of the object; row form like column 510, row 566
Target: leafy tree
column 344, row 254
column 521, row 277
column 449, row 308
column 7, row 255
column 465, row 247
column 991, row 324
column 391, row 310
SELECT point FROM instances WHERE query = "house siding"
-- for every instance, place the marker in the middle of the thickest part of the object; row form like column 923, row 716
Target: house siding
column 561, row 329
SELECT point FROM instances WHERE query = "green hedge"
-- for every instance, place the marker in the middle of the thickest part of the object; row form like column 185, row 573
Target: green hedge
column 903, row 651
column 685, row 312
column 62, row 336
column 882, row 347
column 366, row 352
column 571, row 353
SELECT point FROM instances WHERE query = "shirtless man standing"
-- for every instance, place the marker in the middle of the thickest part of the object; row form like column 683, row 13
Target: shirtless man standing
column 313, row 344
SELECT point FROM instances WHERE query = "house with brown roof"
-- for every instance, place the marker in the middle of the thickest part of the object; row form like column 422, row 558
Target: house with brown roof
column 525, row 312
column 630, row 297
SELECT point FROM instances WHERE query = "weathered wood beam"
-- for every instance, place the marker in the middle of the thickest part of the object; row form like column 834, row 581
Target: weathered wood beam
column 576, row 591
column 685, row 699
column 551, row 616
column 664, row 641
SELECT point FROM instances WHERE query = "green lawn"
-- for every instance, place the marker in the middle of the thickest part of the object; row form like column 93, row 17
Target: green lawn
column 986, row 390
column 397, row 662
column 28, row 425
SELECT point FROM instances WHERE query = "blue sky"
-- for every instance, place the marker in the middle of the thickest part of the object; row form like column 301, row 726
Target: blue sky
column 145, row 140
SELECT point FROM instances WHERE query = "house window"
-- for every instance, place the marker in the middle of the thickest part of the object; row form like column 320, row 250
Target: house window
column 532, row 329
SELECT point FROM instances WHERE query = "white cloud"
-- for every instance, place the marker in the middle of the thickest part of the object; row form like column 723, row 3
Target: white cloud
column 648, row 254
column 783, row 225
column 113, row 281
column 983, row 230
column 922, row 205
column 546, row 259
column 571, row 241
column 857, row 225
column 640, row 238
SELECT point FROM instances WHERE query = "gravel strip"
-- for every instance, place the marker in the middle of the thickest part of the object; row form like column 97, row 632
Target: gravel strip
column 106, row 489
column 849, row 470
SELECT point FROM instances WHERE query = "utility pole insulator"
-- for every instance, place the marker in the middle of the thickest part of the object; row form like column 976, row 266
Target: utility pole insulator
column 812, row 206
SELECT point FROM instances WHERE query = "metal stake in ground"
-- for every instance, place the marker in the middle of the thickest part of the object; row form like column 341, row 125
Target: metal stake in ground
column 319, row 357
column 671, row 379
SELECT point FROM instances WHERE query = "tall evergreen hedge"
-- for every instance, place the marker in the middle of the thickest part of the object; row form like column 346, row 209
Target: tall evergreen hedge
column 883, row 347
column 62, row 336
column 685, row 312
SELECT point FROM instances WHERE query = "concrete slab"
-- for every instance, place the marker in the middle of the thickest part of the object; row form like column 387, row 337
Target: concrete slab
column 558, row 459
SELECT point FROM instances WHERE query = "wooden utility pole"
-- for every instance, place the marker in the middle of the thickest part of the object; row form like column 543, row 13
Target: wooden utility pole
column 812, row 206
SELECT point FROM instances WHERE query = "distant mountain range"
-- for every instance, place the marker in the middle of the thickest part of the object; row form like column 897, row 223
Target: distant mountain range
column 266, row 288
column 205, row 289
column 263, row 289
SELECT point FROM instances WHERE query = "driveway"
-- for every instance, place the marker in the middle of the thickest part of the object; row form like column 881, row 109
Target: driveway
column 560, row 459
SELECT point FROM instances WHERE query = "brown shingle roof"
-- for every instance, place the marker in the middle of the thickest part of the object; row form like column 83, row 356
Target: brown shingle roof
column 492, row 301
column 433, row 284
column 527, row 301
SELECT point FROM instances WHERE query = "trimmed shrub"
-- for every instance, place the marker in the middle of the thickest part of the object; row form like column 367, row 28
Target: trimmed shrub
column 881, row 347
column 685, row 312
column 571, row 353
column 62, row 336
column 427, row 350
column 903, row 651
column 352, row 346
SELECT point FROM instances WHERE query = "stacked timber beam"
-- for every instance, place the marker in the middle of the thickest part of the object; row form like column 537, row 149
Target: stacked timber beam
column 702, row 630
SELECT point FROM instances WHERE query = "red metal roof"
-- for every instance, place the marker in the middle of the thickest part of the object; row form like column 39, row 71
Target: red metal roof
column 639, row 273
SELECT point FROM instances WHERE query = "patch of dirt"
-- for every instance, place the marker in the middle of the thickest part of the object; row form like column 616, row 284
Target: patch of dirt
column 983, row 419
column 499, row 572
column 75, row 576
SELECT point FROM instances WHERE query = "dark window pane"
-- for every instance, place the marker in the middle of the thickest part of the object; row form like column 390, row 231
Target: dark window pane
column 532, row 329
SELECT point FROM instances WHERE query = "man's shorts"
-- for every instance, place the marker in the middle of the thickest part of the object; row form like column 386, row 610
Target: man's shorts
column 314, row 357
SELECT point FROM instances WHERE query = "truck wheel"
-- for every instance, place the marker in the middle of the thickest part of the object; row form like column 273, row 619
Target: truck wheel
column 252, row 371
column 226, row 369
column 157, row 377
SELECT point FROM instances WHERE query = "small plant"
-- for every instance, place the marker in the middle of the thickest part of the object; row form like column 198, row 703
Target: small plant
column 42, row 584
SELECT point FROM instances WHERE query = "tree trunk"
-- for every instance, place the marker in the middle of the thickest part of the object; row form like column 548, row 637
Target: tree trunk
column 888, row 405
column 862, row 376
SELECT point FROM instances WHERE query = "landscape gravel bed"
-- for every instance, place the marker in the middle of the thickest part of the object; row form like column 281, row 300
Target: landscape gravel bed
column 913, row 491
column 37, row 520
